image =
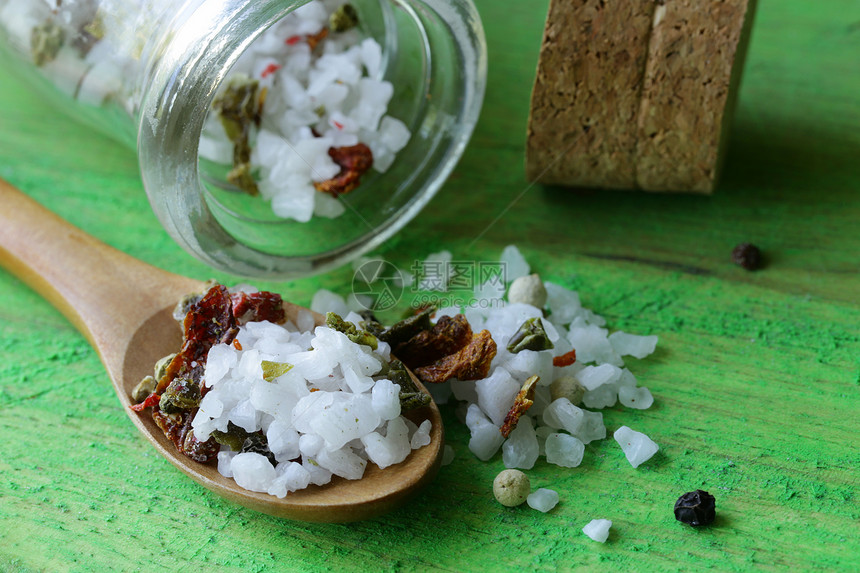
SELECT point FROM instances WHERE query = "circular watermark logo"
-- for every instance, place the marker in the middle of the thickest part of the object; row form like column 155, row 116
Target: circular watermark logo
column 377, row 285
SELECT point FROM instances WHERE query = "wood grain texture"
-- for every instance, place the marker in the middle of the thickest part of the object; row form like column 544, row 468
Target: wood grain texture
column 756, row 377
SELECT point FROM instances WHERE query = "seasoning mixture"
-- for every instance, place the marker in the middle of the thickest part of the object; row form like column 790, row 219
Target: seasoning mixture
column 300, row 120
column 281, row 405
column 303, row 115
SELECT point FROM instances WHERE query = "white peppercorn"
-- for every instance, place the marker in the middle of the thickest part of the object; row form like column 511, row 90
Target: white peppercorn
column 528, row 290
column 511, row 487
column 567, row 387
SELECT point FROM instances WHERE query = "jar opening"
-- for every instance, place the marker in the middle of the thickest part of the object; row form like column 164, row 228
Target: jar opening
column 437, row 73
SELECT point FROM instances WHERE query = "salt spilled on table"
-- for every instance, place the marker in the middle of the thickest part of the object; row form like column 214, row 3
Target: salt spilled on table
column 637, row 447
column 598, row 529
column 542, row 499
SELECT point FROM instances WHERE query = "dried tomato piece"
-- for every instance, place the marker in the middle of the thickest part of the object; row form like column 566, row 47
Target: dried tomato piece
column 354, row 161
column 209, row 321
column 149, row 402
column 472, row 362
column 523, row 401
column 257, row 306
column 565, row 359
column 448, row 335
column 171, row 425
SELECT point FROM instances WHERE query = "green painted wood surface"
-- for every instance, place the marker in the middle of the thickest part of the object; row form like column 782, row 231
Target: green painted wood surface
column 756, row 377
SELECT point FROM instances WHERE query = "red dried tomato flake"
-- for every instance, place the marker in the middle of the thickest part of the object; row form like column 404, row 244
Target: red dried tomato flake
column 565, row 359
column 293, row 40
column 269, row 70
column 150, row 401
column 354, row 161
column 337, row 124
column 257, row 306
column 237, row 345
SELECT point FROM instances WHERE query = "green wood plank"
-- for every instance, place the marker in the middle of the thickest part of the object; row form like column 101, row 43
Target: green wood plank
column 756, row 377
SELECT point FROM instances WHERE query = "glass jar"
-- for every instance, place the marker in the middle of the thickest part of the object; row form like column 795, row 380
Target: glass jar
column 149, row 71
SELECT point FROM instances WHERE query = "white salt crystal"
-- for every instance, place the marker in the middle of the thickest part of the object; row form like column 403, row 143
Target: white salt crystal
column 225, row 460
column 521, row 449
column 305, row 320
column 632, row 344
column 592, row 427
column 592, row 344
column 342, row 462
column 563, row 303
column 390, row 449
column 252, row 471
column 513, row 263
column 435, row 272
column 564, row 450
column 543, row 499
column 318, row 474
column 385, row 399
column 421, row 437
column 639, row 398
column 593, row 376
column 562, row 414
column 603, row 396
column 496, row 394
column 598, row 529
column 327, row 301
column 283, row 440
column 638, row 448
column 485, row 440
column 393, row 133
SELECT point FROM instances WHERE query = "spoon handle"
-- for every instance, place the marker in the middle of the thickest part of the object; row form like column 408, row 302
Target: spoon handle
column 103, row 292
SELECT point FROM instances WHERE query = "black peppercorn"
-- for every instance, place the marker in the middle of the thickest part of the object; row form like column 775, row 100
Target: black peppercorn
column 696, row 508
column 747, row 255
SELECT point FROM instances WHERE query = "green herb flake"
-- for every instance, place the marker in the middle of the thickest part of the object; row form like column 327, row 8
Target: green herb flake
column 272, row 370
column 45, row 42
column 530, row 336
column 239, row 110
column 234, row 438
column 335, row 322
column 343, row 19
column 181, row 394
column 406, row 329
column 410, row 395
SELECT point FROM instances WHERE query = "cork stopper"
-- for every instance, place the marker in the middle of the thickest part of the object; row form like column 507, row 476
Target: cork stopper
column 637, row 94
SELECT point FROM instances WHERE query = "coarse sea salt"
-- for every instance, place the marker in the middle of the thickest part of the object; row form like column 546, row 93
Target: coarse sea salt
column 320, row 98
column 637, row 447
column 330, row 414
column 598, row 529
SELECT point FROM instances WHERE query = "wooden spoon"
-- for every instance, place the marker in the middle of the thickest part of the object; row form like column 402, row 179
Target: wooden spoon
column 124, row 308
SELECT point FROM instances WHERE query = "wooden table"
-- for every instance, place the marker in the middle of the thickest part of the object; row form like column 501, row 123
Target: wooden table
column 756, row 377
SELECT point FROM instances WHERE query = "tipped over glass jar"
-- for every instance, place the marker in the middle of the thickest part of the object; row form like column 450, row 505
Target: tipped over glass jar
column 276, row 138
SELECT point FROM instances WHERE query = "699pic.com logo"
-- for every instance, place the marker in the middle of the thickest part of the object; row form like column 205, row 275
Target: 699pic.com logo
column 378, row 285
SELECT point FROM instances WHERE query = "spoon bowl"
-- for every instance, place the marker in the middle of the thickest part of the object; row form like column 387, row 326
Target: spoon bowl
column 124, row 307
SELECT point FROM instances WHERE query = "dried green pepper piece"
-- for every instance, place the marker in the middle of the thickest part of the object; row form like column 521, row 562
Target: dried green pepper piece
column 233, row 438
column 45, row 42
column 334, row 321
column 181, row 394
column 410, row 396
column 258, row 444
column 530, row 336
column 238, row 110
column 272, row 370
column 343, row 19
column 407, row 328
